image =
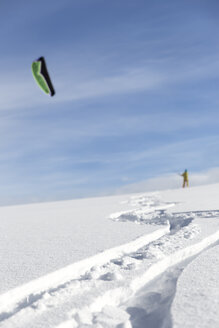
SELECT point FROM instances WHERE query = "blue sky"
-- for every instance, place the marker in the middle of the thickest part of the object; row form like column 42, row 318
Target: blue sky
column 137, row 95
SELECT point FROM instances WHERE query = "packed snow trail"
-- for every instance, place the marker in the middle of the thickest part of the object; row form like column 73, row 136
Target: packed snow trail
column 105, row 293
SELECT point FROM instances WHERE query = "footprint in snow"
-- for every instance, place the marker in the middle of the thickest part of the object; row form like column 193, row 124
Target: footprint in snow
column 109, row 276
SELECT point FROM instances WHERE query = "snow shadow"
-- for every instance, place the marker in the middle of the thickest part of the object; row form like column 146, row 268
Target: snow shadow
column 202, row 214
column 157, row 217
column 176, row 223
column 151, row 305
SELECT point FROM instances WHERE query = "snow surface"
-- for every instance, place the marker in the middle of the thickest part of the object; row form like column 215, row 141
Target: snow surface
column 199, row 282
column 116, row 261
column 40, row 238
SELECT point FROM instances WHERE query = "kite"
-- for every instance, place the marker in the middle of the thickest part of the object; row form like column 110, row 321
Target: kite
column 41, row 76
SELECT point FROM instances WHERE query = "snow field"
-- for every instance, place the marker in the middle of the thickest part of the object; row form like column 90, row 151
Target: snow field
column 38, row 239
column 35, row 289
column 199, row 282
column 125, row 286
column 24, row 296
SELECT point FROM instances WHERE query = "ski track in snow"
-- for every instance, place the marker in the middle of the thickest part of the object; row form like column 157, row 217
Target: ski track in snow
column 109, row 289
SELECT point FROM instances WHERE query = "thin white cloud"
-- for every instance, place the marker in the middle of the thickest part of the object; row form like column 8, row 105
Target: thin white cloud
column 186, row 151
column 132, row 80
column 22, row 92
column 172, row 181
column 135, row 79
column 19, row 90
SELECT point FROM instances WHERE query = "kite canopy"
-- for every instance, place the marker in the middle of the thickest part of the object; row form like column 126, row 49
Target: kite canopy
column 41, row 76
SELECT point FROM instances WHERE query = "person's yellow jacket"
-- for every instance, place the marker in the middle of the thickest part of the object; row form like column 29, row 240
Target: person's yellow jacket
column 185, row 176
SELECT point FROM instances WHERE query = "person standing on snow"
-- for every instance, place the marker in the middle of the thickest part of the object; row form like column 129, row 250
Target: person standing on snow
column 185, row 178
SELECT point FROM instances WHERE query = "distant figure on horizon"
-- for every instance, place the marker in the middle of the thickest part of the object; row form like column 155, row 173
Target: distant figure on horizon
column 185, row 178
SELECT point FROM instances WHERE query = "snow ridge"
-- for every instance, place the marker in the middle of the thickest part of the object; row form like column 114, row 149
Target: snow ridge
column 29, row 293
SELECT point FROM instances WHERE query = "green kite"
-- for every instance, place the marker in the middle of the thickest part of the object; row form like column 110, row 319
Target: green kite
column 41, row 76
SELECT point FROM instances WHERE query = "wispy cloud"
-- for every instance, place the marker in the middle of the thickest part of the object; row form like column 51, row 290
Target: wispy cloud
column 132, row 80
column 179, row 153
column 137, row 79
column 172, row 181
column 18, row 89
